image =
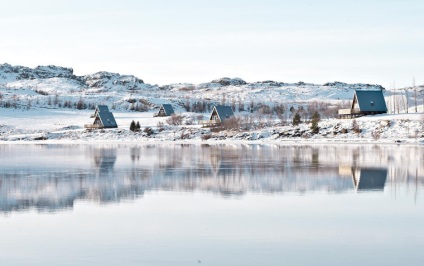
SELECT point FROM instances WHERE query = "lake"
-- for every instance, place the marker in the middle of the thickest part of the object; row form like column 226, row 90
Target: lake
column 227, row 204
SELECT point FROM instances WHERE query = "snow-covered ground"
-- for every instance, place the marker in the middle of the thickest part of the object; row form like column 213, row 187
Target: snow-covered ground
column 63, row 126
column 51, row 104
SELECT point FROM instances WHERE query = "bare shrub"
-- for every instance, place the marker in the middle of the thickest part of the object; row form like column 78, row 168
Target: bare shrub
column 246, row 122
column 355, row 127
column 175, row 120
column 332, row 111
column 41, row 92
column 189, row 120
column 217, row 129
column 161, row 126
column 141, row 107
column 148, row 130
column 184, row 134
column 231, row 123
column 199, row 118
column 186, row 88
column 376, row 134
column 206, row 136
column 265, row 109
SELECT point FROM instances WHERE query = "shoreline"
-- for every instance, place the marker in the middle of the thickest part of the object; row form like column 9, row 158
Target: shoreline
column 59, row 127
column 292, row 142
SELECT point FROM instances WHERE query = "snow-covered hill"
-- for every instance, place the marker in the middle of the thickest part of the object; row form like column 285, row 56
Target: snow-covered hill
column 50, row 102
column 23, row 87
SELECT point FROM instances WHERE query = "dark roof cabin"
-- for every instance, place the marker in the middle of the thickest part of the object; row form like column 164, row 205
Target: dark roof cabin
column 365, row 102
column 103, row 118
column 220, row 113
column 165, row 110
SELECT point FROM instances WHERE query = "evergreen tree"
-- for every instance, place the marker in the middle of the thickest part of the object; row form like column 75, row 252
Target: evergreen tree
column 296, row 119
column 315, row 119
column 133, row 126
column 137, row 126
column 316, row 116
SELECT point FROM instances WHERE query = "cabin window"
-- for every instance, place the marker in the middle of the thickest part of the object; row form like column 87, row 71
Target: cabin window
column 372, row 103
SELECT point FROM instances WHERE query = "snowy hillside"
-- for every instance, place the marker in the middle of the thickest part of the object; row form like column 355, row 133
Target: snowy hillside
column 24, row 87
column 50, row 102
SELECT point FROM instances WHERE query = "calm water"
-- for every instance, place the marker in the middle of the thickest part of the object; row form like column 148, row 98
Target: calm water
column 211, row 205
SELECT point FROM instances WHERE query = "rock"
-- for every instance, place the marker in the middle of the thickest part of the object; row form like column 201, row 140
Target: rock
column 40, row 72
column 107, row 80
column 385, row 123
column 229, row 81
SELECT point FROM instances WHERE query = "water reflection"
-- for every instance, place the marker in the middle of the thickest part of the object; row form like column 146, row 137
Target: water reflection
column 53, row 177
column 104, row 159
column 365, row 179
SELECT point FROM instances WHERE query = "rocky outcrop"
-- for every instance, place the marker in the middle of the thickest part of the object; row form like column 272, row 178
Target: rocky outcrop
column 342, row 85
column 99, row 80
column 270, row 83
column 40, row 72
column 229, row 81
column 107, row 80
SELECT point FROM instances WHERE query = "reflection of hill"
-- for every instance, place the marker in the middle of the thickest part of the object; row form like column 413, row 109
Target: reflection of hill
column 113, row 173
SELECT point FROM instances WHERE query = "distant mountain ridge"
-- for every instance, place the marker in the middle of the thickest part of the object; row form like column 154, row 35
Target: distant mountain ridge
column 102, row 79
column 9, row 73
column 58, row 87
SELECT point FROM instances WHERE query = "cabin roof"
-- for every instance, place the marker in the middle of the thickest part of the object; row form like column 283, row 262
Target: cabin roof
column 168, row 109
column 102, row 108
column 106, row 117
column 371, row 100
column 224, row 112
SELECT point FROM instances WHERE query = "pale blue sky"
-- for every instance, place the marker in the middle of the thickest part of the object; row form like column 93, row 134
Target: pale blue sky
column 196, row 41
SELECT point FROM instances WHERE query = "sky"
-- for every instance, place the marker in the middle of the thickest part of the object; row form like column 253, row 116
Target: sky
column 165, row 41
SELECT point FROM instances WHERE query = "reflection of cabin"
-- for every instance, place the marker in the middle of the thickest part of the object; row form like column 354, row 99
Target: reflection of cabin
column 165, row 110
column 365, row 102
column 220, row 113
column 103, row 118
column 104, row 159
column 365, row 178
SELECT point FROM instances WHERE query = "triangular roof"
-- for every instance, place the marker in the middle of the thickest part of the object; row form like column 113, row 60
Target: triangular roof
column 224, row 112
column 370, row 100
column 167, row 108
column 102, row 108
column 106, row 117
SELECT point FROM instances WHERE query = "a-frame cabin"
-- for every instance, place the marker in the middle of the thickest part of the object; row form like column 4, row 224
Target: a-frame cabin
column 365, row 102
column 220, row 113
column 103, row 118
column 165, row 110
